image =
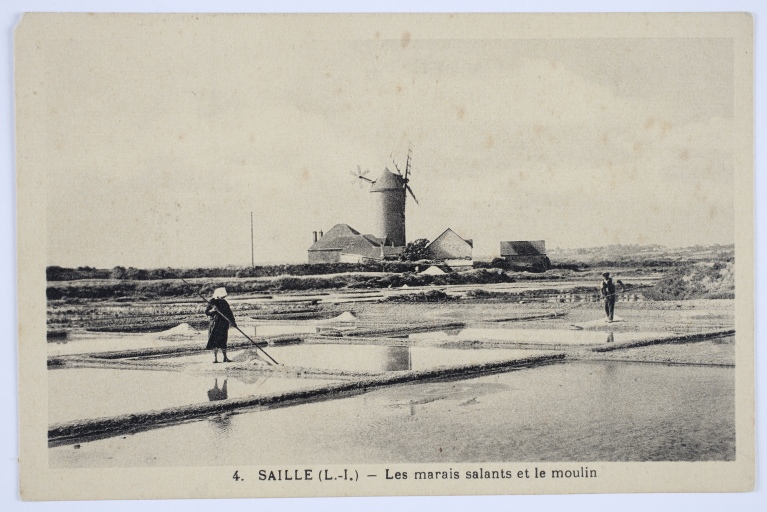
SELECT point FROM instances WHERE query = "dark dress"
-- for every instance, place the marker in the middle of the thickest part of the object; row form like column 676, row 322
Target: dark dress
column 218, row 330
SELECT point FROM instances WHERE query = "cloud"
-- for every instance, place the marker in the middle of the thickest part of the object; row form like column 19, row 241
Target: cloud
column 160, row 159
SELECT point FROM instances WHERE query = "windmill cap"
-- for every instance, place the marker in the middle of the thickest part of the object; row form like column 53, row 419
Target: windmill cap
column 606, row 274
column 388, row 181
column 219, row 293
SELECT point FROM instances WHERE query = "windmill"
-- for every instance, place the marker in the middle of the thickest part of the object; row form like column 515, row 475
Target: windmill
column 389, row 193
column 360, row 178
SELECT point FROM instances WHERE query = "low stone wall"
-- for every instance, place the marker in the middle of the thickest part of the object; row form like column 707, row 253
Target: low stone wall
column 405, row 329
column 683, row 338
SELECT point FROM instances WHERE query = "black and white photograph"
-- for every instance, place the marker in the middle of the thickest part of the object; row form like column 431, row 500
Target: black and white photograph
column 272, row 255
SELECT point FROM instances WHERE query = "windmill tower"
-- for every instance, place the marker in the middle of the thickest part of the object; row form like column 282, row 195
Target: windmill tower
column 389, row 194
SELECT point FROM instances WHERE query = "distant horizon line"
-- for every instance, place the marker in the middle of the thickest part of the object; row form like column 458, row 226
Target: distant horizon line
column 481, row 257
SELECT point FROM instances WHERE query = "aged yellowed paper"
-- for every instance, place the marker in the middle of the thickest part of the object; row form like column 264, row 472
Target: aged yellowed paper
column 357, row 255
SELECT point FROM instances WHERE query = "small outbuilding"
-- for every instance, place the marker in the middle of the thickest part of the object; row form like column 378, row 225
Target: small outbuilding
column 451, row 248
column 526, row 253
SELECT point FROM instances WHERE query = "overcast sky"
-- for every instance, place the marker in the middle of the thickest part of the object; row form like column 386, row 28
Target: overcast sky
column 164, row 137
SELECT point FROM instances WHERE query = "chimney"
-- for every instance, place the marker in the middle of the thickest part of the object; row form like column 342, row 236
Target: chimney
column 314, row 235
column 320, row 233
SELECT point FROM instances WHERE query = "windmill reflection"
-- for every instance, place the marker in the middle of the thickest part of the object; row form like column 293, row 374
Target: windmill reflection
column 397, row 359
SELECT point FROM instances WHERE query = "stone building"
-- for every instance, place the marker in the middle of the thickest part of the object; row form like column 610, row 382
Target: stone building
column 526, row 253
column 343, row 244
column 452, row 249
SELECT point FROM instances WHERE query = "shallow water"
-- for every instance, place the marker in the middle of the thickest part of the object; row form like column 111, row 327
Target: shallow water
column 92, row 342
column 374, row 358
column 259, row 329
column 537, row 336
column 84, row 343
column 565, row 412
column 86, row 393
column 82, row 393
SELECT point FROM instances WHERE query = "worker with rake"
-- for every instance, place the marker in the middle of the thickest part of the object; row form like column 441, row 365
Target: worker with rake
column 221, row 317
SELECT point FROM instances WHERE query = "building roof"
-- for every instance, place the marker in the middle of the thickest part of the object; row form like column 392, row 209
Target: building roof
column 450, row 246
column 348, row 240
column 375, row 240
column 388, row 181
column 449, row 233
column 335, row 239
column 524, row 248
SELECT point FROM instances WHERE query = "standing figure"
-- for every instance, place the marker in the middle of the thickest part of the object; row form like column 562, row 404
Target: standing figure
column 607, row 291
column 221, row 317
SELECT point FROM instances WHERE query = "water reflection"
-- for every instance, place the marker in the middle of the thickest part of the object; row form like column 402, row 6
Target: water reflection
column 217, row 393
column 574, row 336
column 397, row 359
column 222, row 422
column 254, row 381
column 561, row 412
column 610, row 371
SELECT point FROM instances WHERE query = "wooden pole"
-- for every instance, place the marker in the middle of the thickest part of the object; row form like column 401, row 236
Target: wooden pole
column 252, row 253
column 230, row 322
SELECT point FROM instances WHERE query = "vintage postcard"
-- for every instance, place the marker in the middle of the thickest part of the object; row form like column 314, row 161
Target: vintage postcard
column 370, row 255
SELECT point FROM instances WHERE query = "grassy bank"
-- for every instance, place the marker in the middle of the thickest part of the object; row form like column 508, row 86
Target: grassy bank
column 688, row 273
column 703, row 280
column 116, row 289
column 55, row 273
